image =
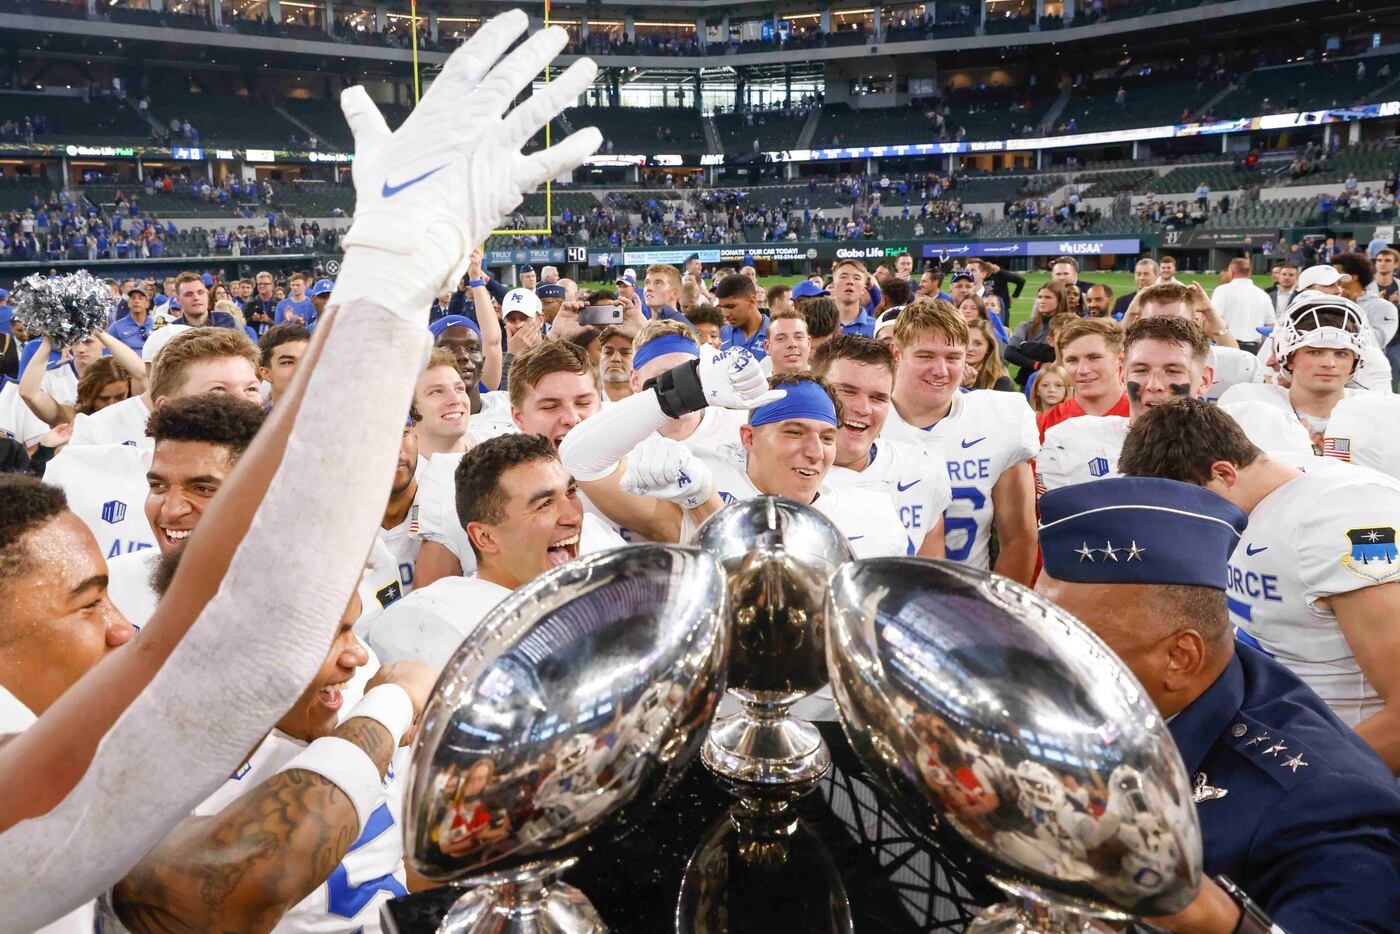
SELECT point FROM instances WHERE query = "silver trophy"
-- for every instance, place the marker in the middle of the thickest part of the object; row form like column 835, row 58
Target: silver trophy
column 980, row 707
column 778, row 557
column 560, row 720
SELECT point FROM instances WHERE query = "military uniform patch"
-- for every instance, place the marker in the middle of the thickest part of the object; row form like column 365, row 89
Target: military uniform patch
column 1373, row 555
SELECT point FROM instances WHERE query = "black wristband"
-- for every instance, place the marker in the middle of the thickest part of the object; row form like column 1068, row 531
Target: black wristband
column 678, row 390
column 1253, row 919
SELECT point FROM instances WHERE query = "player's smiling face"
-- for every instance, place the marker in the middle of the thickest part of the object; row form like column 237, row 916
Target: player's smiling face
column 1092, row 367
column 788, row 345
column 556, row 404
column 930, row 370
column 181, row 482
column 316, row 712
column 790, row 458
column 441, row 399
column 864, row 390
column 542, row 524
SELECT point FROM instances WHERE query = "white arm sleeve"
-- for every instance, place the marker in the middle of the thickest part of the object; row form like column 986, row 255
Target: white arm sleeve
column 256, row 645
column 593, row 448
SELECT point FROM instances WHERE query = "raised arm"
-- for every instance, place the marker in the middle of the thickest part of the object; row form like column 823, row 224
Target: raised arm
column 324, row 460
column 31, row 389
column 493, row 354
column 128, row 359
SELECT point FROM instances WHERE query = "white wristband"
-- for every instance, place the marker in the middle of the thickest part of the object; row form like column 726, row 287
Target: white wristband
column 388, row 705
column 347, row 767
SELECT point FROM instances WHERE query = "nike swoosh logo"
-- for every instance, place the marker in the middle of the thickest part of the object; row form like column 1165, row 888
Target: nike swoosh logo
column 904, row 486
column 851, row 538
column 388, row 191
column 968, row 444
column 1252, row 551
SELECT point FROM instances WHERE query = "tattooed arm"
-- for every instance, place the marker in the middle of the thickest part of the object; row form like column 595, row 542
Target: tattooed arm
column 245, row 867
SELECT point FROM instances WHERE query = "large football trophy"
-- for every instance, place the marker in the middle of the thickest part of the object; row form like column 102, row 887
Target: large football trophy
column 982, row 708
column 778, row 557
column 559, row 721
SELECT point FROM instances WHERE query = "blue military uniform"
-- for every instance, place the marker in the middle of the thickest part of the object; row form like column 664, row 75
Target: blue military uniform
column 1294, row 807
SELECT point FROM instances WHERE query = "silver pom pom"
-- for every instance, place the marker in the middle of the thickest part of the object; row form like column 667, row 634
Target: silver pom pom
column 63, row 308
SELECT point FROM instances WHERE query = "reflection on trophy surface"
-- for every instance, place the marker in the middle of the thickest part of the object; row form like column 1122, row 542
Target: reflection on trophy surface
column 575, row 705
column 981, row 707
column 778, row 557
column 761, row 869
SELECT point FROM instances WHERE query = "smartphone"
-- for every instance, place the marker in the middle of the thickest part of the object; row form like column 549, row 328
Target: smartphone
column 602, row 315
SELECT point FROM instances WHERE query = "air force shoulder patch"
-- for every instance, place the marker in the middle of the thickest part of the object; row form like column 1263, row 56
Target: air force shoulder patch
column 1373, row 555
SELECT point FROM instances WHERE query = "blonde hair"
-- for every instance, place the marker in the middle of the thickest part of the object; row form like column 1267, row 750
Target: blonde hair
column 191, row 347
column 659, row 328
column 232, row 310
column 1075, row 328
column 930, row 316
column 1058, row 371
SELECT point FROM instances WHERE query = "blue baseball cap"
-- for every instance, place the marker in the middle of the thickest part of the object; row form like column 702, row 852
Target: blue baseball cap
column 962, row 275
column 442, row 324
column 1138, row 530
column 550, row 290
column 4, row 294
column 808, row 289
column 322, row 287
column 521, row 270
column 208, row 280
column 629, row 279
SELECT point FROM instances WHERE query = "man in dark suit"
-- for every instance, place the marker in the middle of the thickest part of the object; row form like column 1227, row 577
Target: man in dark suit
column 1300, row 820
column 1144, row 275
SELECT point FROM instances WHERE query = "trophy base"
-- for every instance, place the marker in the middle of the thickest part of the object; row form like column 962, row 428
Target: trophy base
column 538, row 907
column 766, row 756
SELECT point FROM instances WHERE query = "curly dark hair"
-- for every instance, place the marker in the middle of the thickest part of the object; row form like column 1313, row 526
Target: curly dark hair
column 214, row 418
column 478, row 476
column 855, row 347
column 25, row 505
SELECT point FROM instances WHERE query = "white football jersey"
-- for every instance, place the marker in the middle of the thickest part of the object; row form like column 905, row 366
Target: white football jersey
column 431, row 622
column 15, row 718
column 106, row 488
column 61, row 383
column 129, row 584
column 983, row 435
column 914, row 480
column 1330, row 531
column 866, row 517
column 438, row 522
column 1231, row 367
column 494, row 418
column 1078, row 450
column 122, row 422
column 404, row 539
column 1271, row 428
column 17, row 420
column 1365, row 429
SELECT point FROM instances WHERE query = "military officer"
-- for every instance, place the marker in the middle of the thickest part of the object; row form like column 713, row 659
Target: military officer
column 1300, row 818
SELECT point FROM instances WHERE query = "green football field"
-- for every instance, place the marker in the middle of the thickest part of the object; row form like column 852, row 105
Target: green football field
column 1120, row 282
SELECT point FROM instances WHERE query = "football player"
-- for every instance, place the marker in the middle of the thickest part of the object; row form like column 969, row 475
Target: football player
column 1315, row 580
column 986, row 438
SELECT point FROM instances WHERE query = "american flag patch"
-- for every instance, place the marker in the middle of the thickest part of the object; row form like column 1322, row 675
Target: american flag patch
column 1340, row 448
column 413, row 519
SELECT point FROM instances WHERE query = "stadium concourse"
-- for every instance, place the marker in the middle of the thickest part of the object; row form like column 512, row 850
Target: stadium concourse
column 1096, row 298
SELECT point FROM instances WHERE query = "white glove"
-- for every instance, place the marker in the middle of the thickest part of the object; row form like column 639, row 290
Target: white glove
column 734, row 379
column 433, row 189
column 666, row 469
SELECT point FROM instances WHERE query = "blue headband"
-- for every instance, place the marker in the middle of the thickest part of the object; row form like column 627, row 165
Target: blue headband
column 804, row 399
column 660, row 346
column 442, row 324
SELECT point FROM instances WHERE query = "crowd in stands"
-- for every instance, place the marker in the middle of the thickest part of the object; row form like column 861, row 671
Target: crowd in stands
column 64, row 226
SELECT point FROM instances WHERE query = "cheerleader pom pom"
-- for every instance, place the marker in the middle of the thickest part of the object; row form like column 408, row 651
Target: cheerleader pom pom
column 63, row 308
